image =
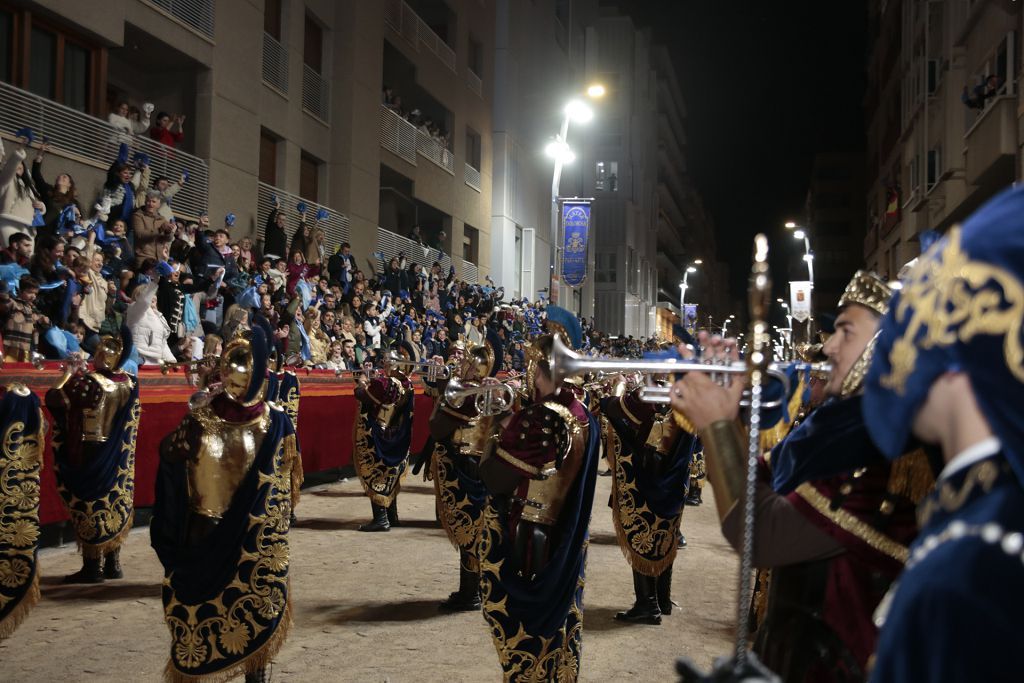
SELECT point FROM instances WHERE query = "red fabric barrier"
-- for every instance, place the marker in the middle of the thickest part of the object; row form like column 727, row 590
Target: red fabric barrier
column 327, row 411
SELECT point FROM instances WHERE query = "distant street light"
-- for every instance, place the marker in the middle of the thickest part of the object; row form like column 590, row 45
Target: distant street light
column 683, row 285
column 578, row 111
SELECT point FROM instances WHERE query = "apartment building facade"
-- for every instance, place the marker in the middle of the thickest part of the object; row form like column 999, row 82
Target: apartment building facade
column 945, row 118
column 282, row 98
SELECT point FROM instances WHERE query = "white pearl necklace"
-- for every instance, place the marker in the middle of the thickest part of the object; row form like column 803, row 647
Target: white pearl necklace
column 1011, row 542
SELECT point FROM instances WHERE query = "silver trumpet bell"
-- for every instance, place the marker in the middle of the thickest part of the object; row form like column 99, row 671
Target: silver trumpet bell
column 489, row 399
column 432, row 370
column 566, row 363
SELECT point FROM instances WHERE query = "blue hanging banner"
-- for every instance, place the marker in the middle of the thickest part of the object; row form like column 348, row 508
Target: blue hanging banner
column 690, row 318
column 576, row 228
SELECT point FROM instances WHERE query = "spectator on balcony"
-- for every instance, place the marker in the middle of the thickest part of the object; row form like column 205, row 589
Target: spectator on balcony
column 315, row 249
column 168, row 131
column 125, row 182
column 54, row 197
column 130, row 121
column 341, row 267
column 20, row 207
column 416, row 235
column 153, row 234
column 275, row 239
column 19, row 250
column 167, row 190
column 93, row 309
column 297, row 270
column 386, row 96
column 979, row 95
column 248, row 256
column 395, row 279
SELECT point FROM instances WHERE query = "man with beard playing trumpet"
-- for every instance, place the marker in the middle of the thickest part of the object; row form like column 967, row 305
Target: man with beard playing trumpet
column 833, row 517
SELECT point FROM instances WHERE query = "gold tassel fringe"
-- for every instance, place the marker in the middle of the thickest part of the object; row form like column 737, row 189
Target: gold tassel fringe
column 97, row 551
column 13, row 620
column 251, row 664
column 911, row 476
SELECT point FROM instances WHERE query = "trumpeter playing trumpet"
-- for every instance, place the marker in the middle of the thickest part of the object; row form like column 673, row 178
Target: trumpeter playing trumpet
column 382, row 434
column 96, row 420
column 221, row 521
column 540, row 470
column 833, row 518
column 460, row 429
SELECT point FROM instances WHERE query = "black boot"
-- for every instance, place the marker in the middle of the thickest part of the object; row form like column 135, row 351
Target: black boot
column 682, row 540
column 89, row 573
column 380, row 519
column 467, row 598
column 260, row 676
column 645, row 610
column 393, row 513
column 112, row 565
column 693, row 497
column 664, row 586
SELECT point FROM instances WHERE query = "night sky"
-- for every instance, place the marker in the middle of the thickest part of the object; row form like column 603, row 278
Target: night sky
column 767, row 85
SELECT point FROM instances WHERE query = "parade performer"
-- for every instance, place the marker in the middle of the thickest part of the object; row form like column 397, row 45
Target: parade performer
column 220, row 525
column 283, row 390
column 948, row 370
column 382, row 434
column 460, row 432
column 96, row 421
column 541, row 472
column 833, row 517
column 650, row 455
column 22, row 432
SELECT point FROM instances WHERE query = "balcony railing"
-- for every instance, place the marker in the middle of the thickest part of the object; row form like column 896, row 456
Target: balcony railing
column 336, row 225
column 467, row 271
column 94, row 142
column 315, row 94
column 410, row 26
column 435, row 151
column 275, row 64
column 397, row 135
column 472, row 177
column 475, row 83
column 197, row 14
column 390, row 243
column 991, row 142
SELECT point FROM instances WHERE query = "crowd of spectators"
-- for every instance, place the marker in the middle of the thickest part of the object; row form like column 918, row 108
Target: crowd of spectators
column 122, row 257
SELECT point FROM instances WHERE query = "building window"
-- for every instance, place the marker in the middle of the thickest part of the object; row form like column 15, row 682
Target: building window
column 476, row 57
column 268, row 158
column 272, row 19
column 470, row 243
column 473, row 150
column 309, row 177
column 606, row 176
column 49, row 61
column 605, row 270
column 934, row 167
column 6, row 45
column 313, row 46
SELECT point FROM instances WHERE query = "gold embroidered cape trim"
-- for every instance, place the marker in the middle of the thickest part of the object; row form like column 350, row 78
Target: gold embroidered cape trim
column 111, row 516
column 263, row 594
column 648, row 542
column 851, row 524
column 460, row 518
column 20, row 464
column 380, row 483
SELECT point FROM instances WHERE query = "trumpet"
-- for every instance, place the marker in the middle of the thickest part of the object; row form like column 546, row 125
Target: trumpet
column 662, row 394
column 188, row 365
column 354, row 373
column 566, row 363
column 432, row 370
column 490, row 399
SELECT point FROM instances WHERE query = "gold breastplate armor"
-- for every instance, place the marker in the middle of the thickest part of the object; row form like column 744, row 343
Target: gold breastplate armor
column 546, row 494
column 225, row 454
column 471, row 438
column 99, row 398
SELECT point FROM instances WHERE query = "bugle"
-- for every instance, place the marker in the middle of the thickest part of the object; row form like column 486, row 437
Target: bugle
column 490, row 399
column 432, row 370
column 662, row 394
column 188, row 365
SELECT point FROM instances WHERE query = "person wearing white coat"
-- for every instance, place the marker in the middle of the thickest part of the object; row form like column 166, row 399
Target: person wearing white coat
column 150, row 330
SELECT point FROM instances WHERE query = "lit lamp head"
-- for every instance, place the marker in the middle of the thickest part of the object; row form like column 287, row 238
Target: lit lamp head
column 560, row 151
column 579, row 111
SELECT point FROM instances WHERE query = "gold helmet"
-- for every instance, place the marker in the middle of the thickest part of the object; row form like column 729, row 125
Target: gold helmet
column 870, row 291
column 243, row 368
column 112, row 352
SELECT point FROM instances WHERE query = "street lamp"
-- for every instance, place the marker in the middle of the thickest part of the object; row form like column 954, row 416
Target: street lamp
column 683, row 285
column 725, row 325
column 578, row 111
column 801, row 233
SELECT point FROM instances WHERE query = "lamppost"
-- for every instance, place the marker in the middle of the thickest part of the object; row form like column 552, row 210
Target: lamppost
column 558, row 149
column 692, row 268
column 725, row 325
column 801, row 233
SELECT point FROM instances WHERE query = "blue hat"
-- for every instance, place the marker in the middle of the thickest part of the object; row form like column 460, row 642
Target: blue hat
column 559, row 320
column 961, row 308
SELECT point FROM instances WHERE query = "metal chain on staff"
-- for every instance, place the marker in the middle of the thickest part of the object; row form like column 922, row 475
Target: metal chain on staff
column 760, row 344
